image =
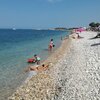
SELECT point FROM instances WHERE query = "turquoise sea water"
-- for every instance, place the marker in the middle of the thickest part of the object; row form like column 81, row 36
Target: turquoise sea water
column 16, row 46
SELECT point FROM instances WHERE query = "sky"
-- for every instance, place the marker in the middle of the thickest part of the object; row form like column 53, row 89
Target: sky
column 44, row 14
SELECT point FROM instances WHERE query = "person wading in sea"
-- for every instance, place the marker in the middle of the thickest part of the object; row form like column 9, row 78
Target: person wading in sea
column 51, row 45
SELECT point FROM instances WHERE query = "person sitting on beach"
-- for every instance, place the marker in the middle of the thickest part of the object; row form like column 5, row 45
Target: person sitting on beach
column 38, row 68
column 51, row 45
column 76, row 36
column 37, row 59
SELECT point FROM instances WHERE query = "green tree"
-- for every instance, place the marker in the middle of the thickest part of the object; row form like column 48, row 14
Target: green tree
column 92, row 24
column 97, row 24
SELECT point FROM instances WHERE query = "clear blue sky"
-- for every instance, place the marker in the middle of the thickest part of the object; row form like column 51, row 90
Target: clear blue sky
column 48, row 13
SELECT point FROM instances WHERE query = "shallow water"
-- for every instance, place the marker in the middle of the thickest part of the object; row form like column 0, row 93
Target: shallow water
column 16, row 46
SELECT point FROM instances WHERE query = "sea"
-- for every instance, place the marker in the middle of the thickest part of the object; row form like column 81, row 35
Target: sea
column 16, row 46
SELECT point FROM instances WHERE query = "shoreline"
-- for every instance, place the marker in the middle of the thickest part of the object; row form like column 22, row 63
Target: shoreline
column 74, row 73
column 14, row 75
column 77, row 75
column 53, row 59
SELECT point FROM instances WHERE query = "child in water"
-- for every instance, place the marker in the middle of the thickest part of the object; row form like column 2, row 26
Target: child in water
column 37, row 59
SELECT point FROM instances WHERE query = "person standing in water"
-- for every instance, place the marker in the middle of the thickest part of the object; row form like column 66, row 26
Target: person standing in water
column 51, row 45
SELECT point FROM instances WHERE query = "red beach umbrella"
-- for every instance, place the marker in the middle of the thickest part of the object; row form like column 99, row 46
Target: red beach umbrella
column 80, row 30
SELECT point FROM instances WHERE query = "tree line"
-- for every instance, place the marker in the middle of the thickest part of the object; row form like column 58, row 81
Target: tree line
column 94, row 26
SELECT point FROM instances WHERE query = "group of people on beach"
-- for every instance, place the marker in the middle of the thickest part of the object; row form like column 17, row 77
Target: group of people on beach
column 38, row 67
column 75, row 34
column 51, row 45
column 36, row 59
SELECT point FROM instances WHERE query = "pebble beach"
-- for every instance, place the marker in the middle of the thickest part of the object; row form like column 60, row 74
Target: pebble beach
column 73, row 73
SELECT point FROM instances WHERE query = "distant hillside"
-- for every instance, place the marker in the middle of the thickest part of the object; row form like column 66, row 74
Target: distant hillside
column 60, row 28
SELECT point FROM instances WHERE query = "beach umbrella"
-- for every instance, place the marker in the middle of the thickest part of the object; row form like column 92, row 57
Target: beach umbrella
column 80, row 30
